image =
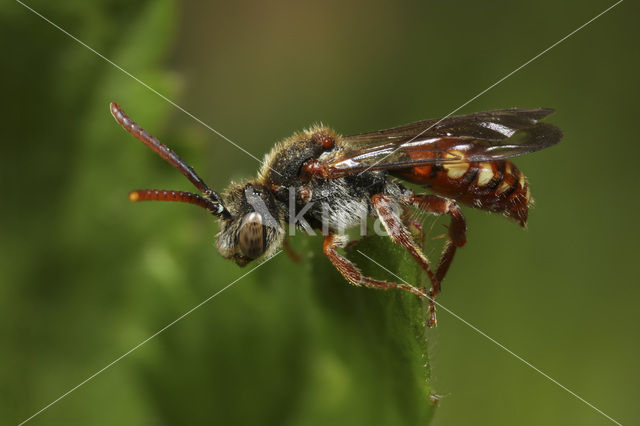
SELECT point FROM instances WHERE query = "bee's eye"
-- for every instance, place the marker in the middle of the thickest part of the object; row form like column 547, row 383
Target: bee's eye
column 251, row 236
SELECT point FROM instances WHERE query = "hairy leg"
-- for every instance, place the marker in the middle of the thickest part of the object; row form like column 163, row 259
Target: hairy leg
column 456, row 232
column 400, row 234
column 351, row 272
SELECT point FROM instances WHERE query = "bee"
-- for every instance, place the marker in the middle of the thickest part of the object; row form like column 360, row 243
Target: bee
column 318, row 179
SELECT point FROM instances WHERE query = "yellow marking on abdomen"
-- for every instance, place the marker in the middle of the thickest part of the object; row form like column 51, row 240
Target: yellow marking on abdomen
column 502, row 188
column 507, row 168
column 485, row 174
column 521, row 180
column 456, row 170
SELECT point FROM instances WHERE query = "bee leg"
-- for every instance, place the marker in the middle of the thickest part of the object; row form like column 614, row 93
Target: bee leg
column 399, row 234
column 457, row 230
column 351, row 272
column 293, row 255
column 351, row 244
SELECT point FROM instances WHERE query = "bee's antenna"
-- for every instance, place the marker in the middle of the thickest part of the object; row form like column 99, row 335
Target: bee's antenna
column 180, row 196
column 211, row 200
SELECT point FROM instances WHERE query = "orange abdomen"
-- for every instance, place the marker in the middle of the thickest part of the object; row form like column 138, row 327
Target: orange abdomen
column 496, row 186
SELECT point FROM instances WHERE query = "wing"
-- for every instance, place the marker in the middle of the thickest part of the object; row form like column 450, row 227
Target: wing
column 484, row 136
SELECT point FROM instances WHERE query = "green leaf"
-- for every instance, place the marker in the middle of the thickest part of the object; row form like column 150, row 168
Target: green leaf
column 376, row 337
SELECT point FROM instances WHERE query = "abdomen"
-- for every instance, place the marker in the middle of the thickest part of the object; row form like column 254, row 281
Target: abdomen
column 497, row 186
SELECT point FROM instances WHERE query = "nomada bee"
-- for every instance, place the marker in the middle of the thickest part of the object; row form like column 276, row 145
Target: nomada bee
column 323, row 180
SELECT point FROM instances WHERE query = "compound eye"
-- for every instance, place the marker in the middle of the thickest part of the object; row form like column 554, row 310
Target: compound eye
column 251, row 236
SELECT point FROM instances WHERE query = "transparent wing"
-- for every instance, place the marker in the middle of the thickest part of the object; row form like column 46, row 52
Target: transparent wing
column 484, row 136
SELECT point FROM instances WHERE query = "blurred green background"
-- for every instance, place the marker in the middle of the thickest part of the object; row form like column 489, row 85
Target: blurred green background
column 86, row 275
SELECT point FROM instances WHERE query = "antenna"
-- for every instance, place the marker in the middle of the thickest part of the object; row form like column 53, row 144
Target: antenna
column 210, row 200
